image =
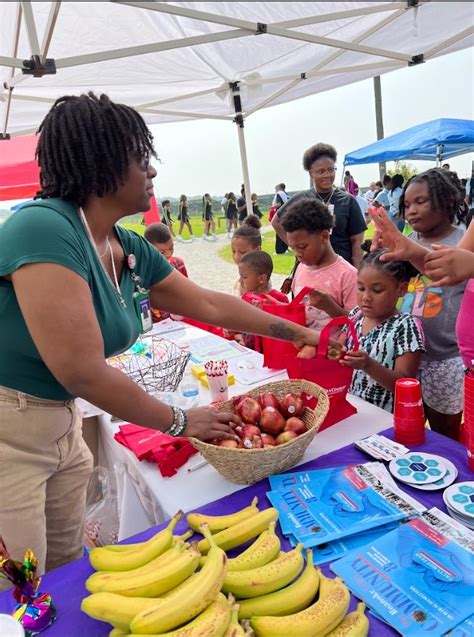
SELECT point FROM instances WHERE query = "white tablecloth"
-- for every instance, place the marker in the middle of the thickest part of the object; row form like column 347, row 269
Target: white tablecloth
column 146, row 498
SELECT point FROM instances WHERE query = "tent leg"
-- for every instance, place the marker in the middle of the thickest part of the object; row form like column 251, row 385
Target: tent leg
column 239, row 120
column 379, row 120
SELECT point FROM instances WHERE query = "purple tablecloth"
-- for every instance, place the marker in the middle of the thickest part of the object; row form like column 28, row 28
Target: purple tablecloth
column 66, row 584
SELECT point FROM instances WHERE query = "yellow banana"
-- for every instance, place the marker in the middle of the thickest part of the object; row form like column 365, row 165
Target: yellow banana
column 212, row 622
column 155, row 582
column 295, row 597
column 99, row 579
column 235, row 629
column 201, row 591
column 265, row 549
column 115, row 609
column 317, row 620
column 117, row 632
column 220, row 522
column 355, row 624
column 121, row 548
column 103, row 559
column 242, row 532
column 265, row 579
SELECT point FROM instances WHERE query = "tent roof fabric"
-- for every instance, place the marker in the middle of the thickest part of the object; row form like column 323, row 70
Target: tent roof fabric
column 441, row 137
column 175, row 61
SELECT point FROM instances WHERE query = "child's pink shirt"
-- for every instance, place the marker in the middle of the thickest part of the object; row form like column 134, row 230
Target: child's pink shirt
column 338, row 279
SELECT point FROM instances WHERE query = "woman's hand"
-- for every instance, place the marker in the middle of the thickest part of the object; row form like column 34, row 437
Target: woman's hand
column 449, row 266
column 307, row 351
column 388, row 236
column 205, row 423
column 304, row 336
column 356, row 360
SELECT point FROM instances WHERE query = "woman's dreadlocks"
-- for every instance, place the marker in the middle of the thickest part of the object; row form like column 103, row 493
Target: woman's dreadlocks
column 85, row 146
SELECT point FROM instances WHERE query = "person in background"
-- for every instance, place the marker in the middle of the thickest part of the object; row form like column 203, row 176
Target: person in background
column 382, row 196
column 446, row 167
column 209, row 223
column 69, row 276
column 183, row 218
column 244, row 240
column 231, row 214
column 166, row 215
column 349, row 182
column 378, row 188
column 394, row 195
column 253, row 221
column 349, row 225
column 469, row 199
column 160, row 237
column 242, row 205
column 390, row 343
column 370, row 194
column 255, row 207
column 224, row 203
column 429, row 203
column 308, row 224
column 362, row 201
column 255, row 270
column 279, row 200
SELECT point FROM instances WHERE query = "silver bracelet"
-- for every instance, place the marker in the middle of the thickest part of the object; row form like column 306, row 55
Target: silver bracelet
column 179, row 424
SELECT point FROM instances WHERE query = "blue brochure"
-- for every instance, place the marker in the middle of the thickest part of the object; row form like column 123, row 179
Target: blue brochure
column 419, row 577
column 339, row 503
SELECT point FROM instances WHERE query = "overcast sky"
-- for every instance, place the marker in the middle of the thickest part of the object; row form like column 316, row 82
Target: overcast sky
column 203, row 156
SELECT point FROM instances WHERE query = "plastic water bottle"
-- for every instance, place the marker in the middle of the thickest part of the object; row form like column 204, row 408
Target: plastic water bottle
column 189, row 389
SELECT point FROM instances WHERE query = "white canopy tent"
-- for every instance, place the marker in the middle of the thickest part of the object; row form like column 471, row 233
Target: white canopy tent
column 218, row 60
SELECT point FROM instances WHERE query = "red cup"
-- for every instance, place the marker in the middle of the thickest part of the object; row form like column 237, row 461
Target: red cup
column 408, row 401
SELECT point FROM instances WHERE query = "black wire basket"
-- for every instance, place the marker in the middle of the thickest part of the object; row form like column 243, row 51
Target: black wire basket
column 154, row 363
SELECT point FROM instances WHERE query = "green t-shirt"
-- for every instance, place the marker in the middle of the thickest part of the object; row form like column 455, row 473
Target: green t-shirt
column 50, row 231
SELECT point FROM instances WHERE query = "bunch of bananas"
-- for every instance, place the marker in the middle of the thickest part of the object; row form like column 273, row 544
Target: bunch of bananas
column 168, row 587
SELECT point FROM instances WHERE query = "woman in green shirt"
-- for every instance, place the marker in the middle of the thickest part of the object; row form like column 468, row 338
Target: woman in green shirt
column 68, row 276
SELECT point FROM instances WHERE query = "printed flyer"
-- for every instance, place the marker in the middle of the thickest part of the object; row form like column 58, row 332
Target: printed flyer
column 419, row 577
column 341, row 502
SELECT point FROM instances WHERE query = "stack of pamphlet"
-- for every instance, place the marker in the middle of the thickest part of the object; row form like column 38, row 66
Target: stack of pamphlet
column 419, row 578
column 337, row 510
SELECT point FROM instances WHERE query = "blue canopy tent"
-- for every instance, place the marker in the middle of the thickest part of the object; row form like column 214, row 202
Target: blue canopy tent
column 437, row 140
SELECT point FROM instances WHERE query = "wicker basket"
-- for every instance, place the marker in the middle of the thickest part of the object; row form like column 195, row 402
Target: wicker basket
column 247, row 466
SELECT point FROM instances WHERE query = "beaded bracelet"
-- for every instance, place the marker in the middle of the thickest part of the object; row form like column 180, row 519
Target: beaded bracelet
column 179, row 424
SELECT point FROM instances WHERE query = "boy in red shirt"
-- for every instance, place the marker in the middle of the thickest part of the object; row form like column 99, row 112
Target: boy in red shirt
column 255, row 269
column 160, row 237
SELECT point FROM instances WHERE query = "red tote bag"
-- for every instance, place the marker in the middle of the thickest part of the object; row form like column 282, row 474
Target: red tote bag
column 329, row 374
column 276, row 352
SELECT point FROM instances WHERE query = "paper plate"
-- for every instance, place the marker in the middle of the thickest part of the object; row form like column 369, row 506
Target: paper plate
column 418, row 468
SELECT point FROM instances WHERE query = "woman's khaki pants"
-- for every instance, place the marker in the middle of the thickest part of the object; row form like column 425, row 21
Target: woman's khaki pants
column 44, row 469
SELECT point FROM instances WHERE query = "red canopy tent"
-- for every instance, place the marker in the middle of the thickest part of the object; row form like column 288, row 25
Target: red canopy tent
column 19, row 172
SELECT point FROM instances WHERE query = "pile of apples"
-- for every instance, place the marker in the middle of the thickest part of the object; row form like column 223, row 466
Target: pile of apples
column 266, row 421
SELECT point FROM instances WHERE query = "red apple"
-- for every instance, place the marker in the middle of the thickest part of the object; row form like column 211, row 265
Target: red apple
column 247, row 430
column 271, row 421
column 286, row 436
column 252, row 442
column 268, row 440
column 269, row 400
column 292, row 405
column 236, row 400
column 296, row 425
column 249, row 410
column 232, row 444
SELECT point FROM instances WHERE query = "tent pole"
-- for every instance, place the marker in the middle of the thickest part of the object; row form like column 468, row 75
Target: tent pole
column 239, row 120
column 379, row 120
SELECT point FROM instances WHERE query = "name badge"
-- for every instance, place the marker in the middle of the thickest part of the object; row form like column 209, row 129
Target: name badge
column 143, row 311
column 331, row 208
